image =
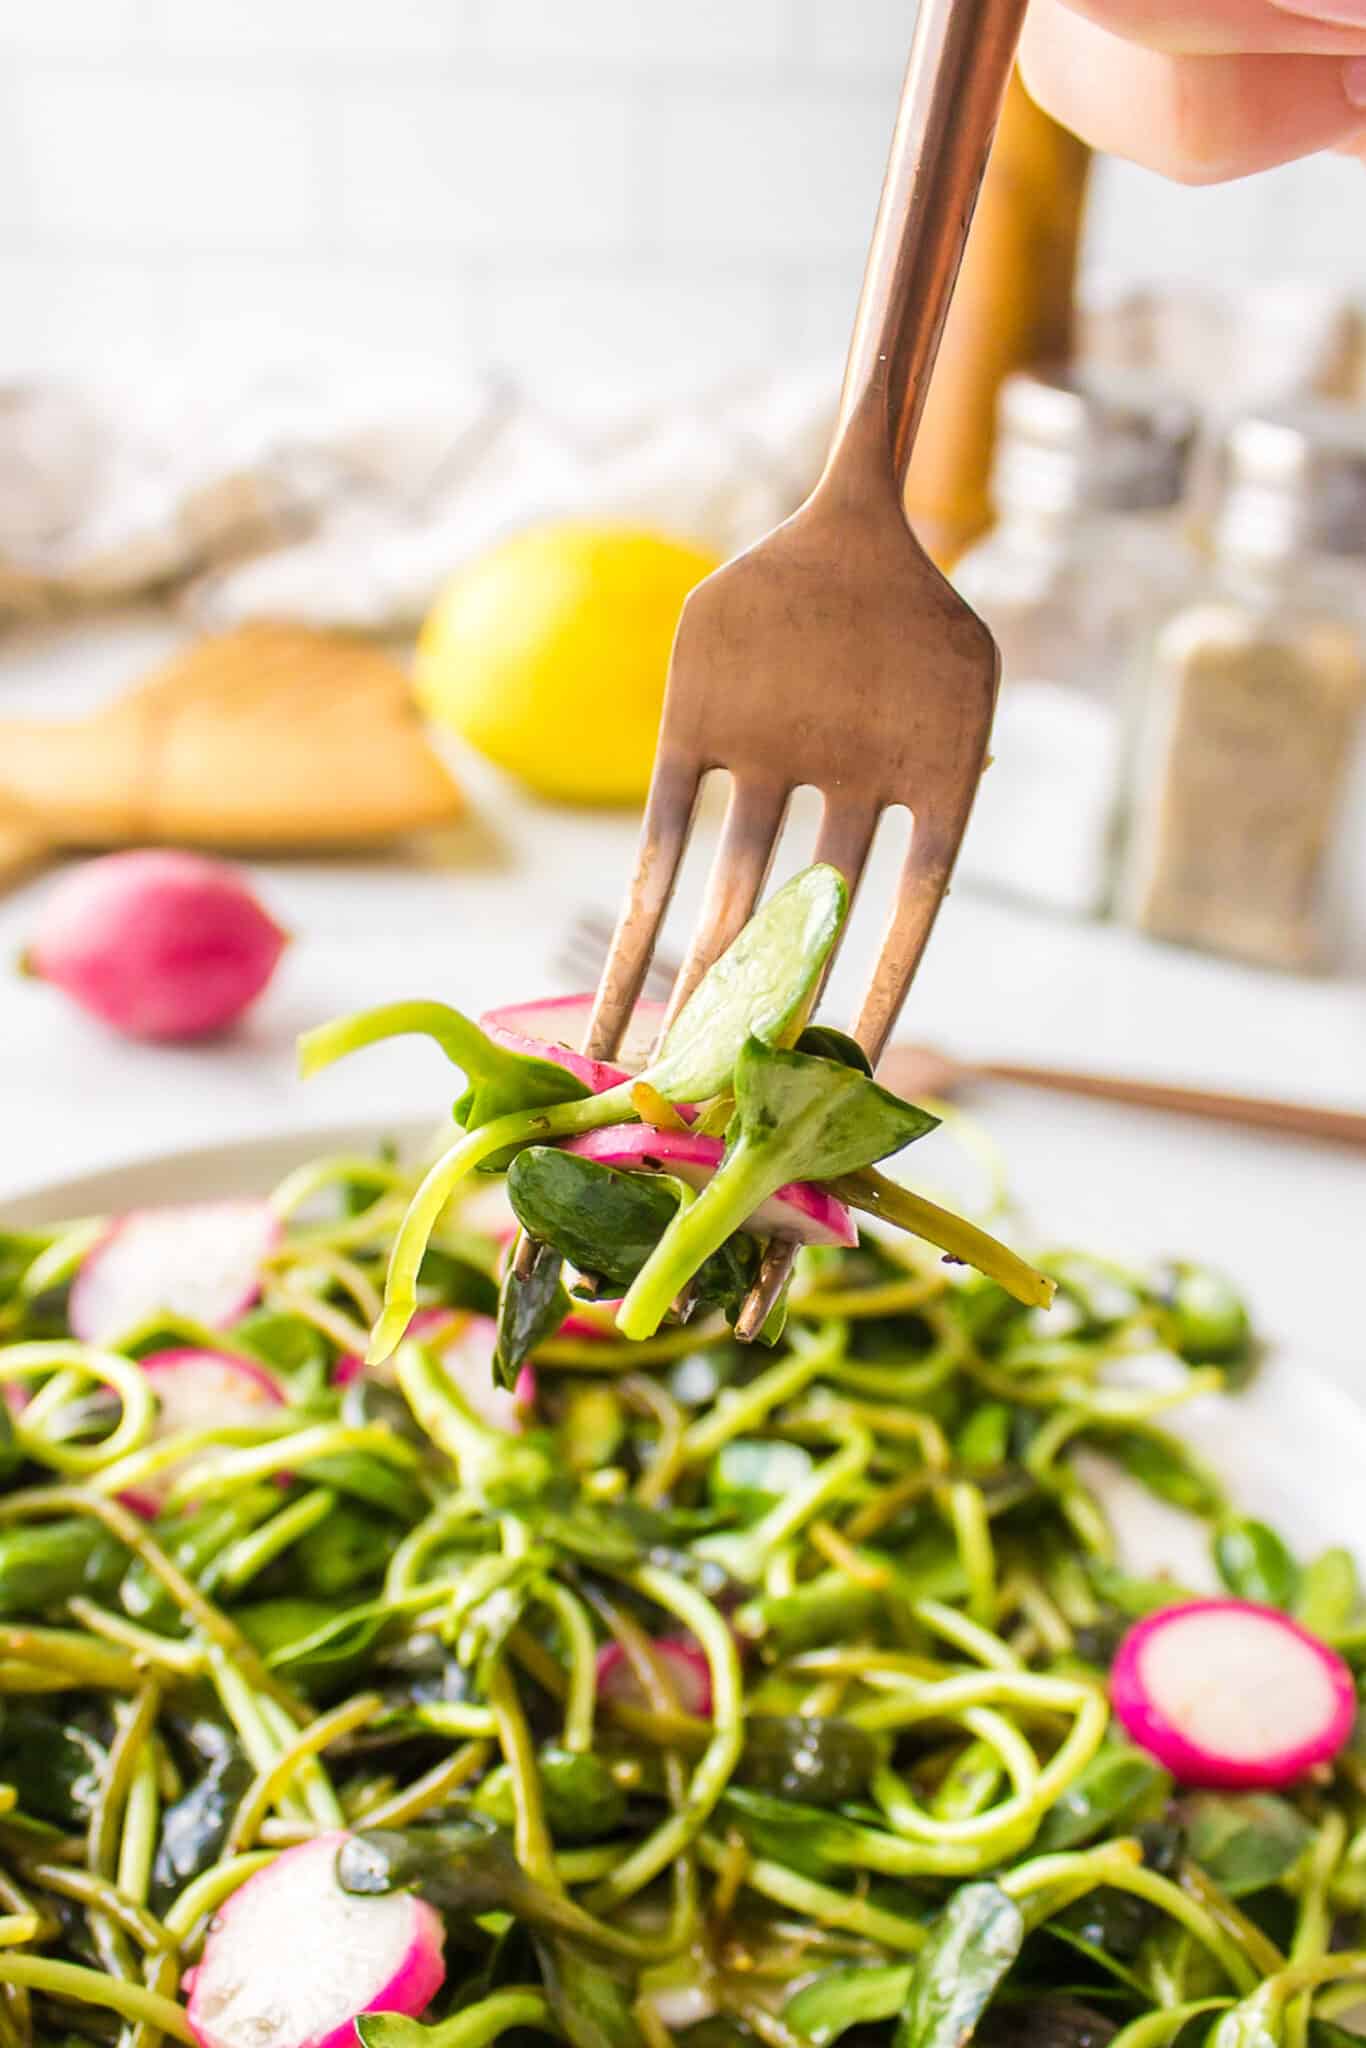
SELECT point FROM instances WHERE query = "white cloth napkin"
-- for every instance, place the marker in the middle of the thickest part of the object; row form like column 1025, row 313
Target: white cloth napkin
column 336, row 494
column 336, row 499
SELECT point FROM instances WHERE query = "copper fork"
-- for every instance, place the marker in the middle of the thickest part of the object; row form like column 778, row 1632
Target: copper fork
column 833, row 654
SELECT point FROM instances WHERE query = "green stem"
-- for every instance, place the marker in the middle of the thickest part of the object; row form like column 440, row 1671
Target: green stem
column 241, row 1562
column 107, row 1368
column 821, row 1903
column 493, row 2018
column 746, row 1177
column 1156, row 2029
column 521, row 1127
column 205, row 1893
column 878, row 1196
column 747, row 1408
column 92, row 1987
column 722, row 1753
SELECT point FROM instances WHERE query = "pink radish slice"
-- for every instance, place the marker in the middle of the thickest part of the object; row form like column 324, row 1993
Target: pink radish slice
column 554, row 1030
column 202, row 1260
column 687, row 1668
column 579, row 1326
column 292, row 1960
column 1228, row 1694
column 801, row 1210
column 466, row 1351
column 200, row 1390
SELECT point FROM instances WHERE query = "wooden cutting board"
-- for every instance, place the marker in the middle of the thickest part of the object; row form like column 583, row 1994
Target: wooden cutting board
column 269, row 738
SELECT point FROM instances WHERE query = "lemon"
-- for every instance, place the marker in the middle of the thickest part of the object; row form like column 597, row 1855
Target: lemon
column 549, row 654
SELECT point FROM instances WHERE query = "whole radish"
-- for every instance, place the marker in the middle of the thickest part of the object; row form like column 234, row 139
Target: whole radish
column 161, row 945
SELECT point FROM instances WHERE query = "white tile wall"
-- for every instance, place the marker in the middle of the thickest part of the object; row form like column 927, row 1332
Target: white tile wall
column 626, row 188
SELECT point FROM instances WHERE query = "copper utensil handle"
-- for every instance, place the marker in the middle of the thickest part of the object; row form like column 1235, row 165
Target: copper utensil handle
column 1299, row 1119
column 950, row 103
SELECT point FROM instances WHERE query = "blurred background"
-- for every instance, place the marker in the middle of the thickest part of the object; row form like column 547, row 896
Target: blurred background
column 377, row 376
column 571, row 188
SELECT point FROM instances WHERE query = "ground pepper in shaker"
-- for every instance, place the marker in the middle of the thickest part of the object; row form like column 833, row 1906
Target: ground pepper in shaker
column 1090, row 472
column 1254, row 699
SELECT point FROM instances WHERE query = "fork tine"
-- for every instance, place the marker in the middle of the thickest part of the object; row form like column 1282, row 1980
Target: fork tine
column 846, row 836
column 754, row 818
column 663, row 837
column 924, row 883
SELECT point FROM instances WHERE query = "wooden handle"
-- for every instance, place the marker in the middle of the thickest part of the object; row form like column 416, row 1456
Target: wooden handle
column 1249, row 1112
column 961, row 58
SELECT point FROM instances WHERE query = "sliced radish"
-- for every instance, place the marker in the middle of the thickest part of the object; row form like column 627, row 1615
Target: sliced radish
column 687, row 1667
column 554, row 1030
column 200, row 1390
column 1229, row 1694
column 466, row 1351
column 292, row 1960
column 202, row 1260
column 801, row 1210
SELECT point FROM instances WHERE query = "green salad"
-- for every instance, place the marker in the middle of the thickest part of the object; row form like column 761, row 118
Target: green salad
column 423, row 1621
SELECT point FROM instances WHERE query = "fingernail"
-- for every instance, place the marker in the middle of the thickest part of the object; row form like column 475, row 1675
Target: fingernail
column 1334, row 13
column 1354, row 80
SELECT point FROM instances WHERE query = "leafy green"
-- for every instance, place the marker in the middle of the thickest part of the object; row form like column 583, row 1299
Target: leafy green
column 1244, row 1840
column 749, row 1475
column 47, row 1563
column 1164, row 1465
column 195, row 1826
column 351, row 1546
column 1329, row 1592
column 589, row 1999
column 762, row 987
column 531, row 1307
column 1112, row 1787
column 823, row 1760
column 960, row 1969
column 1254, row 1563
column 850, row 1995
column 500, row 1081
column 796, row 1118
column 608, row 1222
column 825, row 1043
column 581, row 1798
column 1204, row 1319
column 57, row 1766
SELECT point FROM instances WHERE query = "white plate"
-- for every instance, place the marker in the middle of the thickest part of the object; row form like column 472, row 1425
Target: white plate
column 1291, row 1447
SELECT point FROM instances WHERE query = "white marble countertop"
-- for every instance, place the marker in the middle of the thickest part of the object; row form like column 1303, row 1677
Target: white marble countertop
column 481, row 920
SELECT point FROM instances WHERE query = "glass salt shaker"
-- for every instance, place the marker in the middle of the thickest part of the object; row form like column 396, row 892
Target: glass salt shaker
column 1254, row 700
column 1089, row 475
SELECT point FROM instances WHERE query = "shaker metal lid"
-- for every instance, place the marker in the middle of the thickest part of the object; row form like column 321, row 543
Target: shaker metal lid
column 1107, row 439
column 1294, row 476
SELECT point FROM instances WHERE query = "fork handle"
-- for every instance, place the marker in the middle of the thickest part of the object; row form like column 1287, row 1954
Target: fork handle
column 1250, row 1112
column 956, row 79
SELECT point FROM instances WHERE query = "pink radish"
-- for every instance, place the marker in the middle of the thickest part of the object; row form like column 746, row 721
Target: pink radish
column 553, row 1029
column 466, row 1351
column 687, row 1668
column 1229, row 1694
column 160, row 944
column 202, row 1260
column 292, row 1960
column 200, row 1390
column 801, row 1210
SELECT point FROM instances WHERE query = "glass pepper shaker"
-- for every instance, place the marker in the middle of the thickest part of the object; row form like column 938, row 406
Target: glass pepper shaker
column 1254, row 699
column 1089, row 475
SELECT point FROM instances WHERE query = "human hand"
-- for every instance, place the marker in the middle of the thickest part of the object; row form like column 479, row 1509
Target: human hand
column 1202, row 90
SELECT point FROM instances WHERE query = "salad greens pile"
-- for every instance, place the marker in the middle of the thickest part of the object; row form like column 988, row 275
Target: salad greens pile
column 709, row 1693
column 794, row 1103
